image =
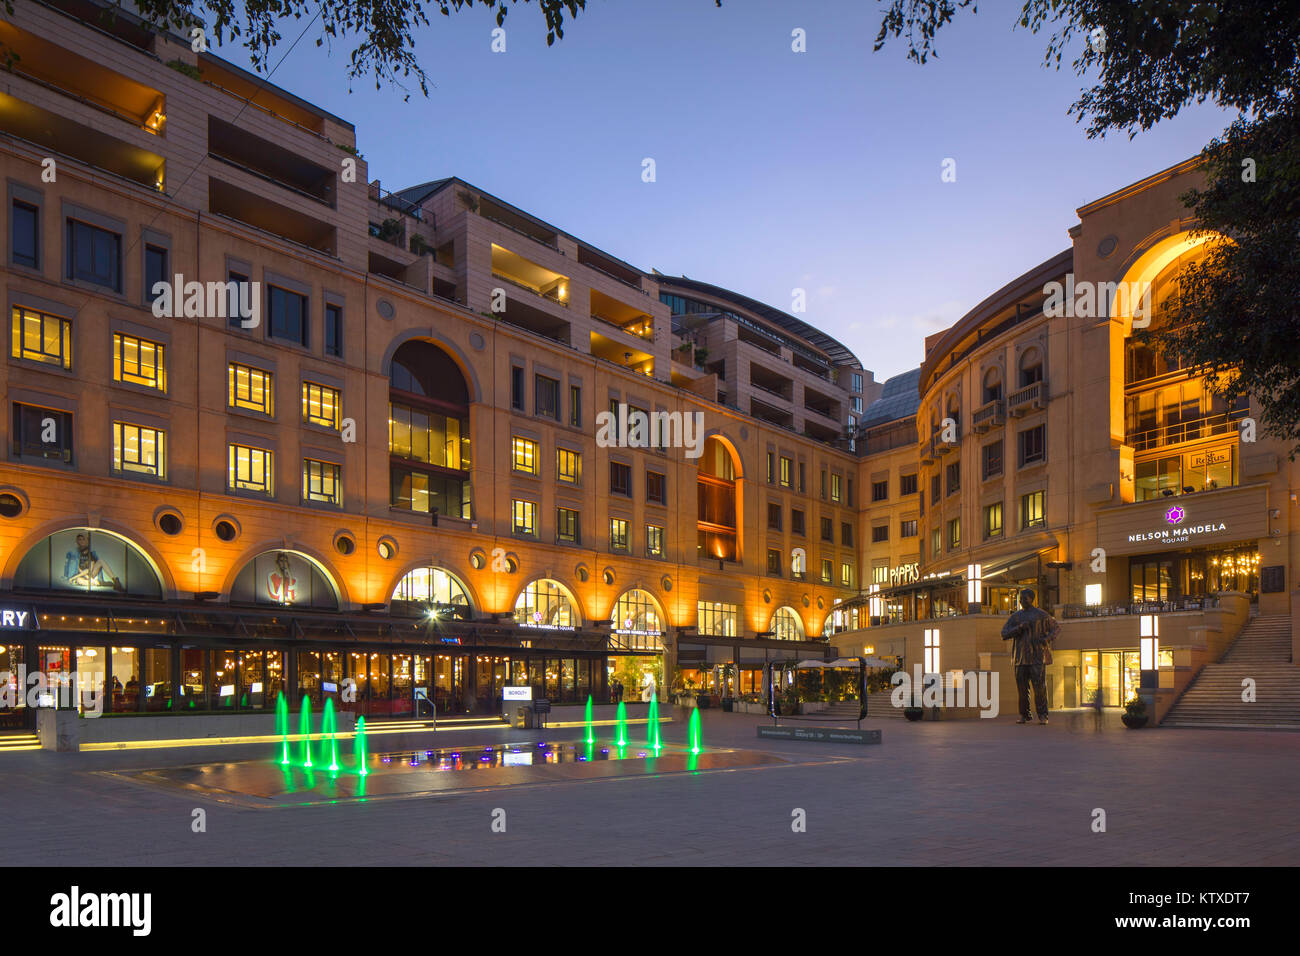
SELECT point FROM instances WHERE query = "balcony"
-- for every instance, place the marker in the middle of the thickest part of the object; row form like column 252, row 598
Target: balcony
column 270, row 162
column 1179, row 432
column 526, row 274
column 54, row 134
column 83, row 80
column 229, row 200
column 988, row 416
column 1029, row 399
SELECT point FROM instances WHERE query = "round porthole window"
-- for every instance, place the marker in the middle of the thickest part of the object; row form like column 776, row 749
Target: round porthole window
column 477, row 559
column 608, row 576
column 226, row 529
column 582, row 573
column 385, row 309
column 387, row 547
column 169, row 523
column 345, row 544
column 11, row 506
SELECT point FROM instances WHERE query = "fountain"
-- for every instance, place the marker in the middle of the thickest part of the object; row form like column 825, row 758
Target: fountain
column 591, row 736
column 359, row 747
column 304, row 730
column 329, row 726
column 693, row 733
column 282, row 727
column 620, row 726
column 652, row 727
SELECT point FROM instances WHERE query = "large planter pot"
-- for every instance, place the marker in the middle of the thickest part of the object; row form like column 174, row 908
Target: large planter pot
column 913, row 713
column 1134, row 721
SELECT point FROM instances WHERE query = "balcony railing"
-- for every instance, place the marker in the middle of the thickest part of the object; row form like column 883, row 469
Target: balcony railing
column 1027, row 399
column 1180, row 432
column 1200, row 602
column 988, row 416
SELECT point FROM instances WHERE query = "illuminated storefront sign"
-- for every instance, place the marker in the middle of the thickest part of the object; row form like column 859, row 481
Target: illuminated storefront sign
column 905, row 574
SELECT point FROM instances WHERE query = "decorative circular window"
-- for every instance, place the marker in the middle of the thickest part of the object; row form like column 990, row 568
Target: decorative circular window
column 821, row 604
column 226, row 528
column 387, row 547
column 767, row 597
column 344, row 543
column 169, row 522
column 607, row 576
column 512, row 563
column 582, row 572
column 667, row 583
column 477, row 559
column 385, row 309
column 1106, row 248
column 476, row 342
column 11, row 505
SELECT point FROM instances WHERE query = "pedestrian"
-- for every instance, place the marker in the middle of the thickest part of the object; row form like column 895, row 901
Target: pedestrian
column 1030, row 631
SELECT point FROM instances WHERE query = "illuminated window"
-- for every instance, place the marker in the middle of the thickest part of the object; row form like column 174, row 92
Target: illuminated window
column 523, row 518
column 250, row 389
column 138, row 450
column 523, row 456
column 568, row 466
column 1031, row 510
column 993, row 520
column 567, row 527
column 636, row 620
column 835, row 487
column 954, row 534
column 827, row 570
column 41, row 337
column 139, row 362
column 846, row 575
column 320, row 405
column 931, row 650
column 431, row 586
column 786, row 625
column 787, row 472
column 618, row 536
column 716, row 620
column 250, row 469
column 1092, row 594
column 545, row 603
column 880, row 574
column 654, row 541
column 320, row 482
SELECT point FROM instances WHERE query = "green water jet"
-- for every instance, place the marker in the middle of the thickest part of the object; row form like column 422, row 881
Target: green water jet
column 591, row 734
column 652, row 728
column 329, row 726
column 304, row 730
column 620, row 726
column 359, row 747
column 282, row 727
column 693, row 735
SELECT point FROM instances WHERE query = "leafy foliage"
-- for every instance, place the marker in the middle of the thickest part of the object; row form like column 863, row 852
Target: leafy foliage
column 1235, row 311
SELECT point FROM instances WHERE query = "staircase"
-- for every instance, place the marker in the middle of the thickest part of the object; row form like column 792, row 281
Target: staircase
column 12, row 742
column 1262, row 652
column 878, row 705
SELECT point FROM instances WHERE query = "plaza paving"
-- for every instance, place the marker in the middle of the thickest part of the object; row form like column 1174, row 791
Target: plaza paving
column 980, row 792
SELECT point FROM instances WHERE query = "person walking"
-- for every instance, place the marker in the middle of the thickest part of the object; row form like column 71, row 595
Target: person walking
column 1030, row 631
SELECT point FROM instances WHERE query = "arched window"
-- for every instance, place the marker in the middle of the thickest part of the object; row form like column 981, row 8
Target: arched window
column 428, row 432
column 546, row 603
column 431, row 589
column 1031, row 367
column 992, row 385
column 787, row 625
column 637, row 621
column 716, row 518
column 285, row 579
column 89, row 560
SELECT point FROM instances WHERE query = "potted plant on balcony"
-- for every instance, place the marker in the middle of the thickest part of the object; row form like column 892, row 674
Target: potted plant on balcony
column 1135, row 714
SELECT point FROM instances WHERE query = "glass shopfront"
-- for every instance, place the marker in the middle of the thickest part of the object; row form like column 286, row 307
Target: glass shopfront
column 1189, row 574
column 1114, row 675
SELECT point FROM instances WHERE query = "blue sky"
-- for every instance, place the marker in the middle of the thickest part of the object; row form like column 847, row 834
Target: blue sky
column 775, row 170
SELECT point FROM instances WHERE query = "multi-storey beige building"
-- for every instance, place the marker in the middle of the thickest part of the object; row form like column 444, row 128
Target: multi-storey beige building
column 1059, row 451
column 274, row 428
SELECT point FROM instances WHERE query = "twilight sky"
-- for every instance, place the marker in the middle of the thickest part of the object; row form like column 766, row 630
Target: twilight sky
column 775, row 170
